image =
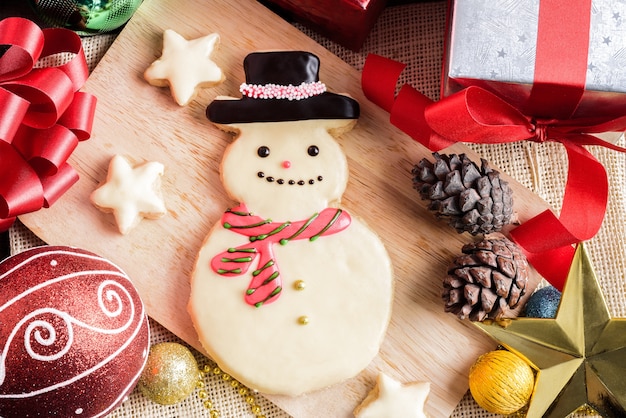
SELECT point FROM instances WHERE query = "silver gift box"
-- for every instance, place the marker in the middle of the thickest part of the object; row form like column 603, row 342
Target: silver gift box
column 492, row 43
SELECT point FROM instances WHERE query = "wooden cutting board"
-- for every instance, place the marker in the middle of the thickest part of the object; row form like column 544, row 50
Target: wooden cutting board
column 144, row 123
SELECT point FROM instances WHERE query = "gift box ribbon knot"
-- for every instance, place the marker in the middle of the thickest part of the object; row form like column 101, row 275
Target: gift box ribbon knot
column 43, row 115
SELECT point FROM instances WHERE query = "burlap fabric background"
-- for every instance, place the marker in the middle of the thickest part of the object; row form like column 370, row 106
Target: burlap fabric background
column 414, row 35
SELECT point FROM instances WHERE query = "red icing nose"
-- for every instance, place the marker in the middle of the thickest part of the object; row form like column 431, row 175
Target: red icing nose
column 286, row 164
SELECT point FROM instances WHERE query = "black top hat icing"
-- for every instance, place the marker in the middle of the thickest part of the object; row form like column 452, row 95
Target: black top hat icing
column 291, row 71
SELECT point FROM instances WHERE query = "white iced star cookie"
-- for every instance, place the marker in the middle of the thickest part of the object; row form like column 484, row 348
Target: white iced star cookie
column 185, row 66
column 131, row 193
column 391, row 399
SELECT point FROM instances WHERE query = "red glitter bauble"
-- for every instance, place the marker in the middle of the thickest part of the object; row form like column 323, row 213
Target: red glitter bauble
column 74, row 334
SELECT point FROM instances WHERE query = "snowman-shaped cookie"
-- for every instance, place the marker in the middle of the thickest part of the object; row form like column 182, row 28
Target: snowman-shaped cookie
column 290, row 293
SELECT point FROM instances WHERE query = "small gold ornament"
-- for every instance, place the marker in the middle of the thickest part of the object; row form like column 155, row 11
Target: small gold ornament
column 303, row 320
column 501, row 382
column 170, row 375
column 299, row 285
column 580, row 355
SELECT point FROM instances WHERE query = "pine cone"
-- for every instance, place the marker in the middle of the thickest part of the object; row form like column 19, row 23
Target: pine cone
column 475, row 200
column 486, row 281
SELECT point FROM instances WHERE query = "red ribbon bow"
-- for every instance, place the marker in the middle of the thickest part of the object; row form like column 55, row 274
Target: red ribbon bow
column 43, row 116
column 476, row 115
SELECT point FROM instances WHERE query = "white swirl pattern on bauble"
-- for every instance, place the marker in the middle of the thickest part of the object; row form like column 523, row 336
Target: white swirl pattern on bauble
column 38, row 326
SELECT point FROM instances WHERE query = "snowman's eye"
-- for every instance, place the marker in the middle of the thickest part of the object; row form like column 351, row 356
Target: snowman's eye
column 263, row 151
column 313, row 150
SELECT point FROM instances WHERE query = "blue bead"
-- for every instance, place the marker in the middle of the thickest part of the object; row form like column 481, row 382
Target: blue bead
column 543, row 303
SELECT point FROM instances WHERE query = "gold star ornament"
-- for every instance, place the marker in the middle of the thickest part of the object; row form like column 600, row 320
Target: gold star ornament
column 392, row 399
column 185, row 66
column 131, row 193
column 579, row 356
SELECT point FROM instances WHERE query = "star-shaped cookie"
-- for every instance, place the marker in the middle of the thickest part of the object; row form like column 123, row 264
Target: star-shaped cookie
column 391, row 399
column 185, row 65
column 130, row 193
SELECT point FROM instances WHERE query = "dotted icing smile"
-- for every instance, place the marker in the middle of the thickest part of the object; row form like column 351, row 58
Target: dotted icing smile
column 264, row 152
column 271, row 179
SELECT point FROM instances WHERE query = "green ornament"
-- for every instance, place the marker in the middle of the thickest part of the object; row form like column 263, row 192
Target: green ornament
column 87, row 17
column 170, row 375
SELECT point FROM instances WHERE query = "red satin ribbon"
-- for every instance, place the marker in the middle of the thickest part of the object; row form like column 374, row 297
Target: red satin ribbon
column 478, row 116
column 43, row 116
column 563, row 35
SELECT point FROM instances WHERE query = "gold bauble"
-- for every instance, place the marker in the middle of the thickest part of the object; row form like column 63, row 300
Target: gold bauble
column 501, row 382
column 170, row 375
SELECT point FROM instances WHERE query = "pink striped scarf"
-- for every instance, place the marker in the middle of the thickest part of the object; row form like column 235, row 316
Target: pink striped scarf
column 266, row 283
